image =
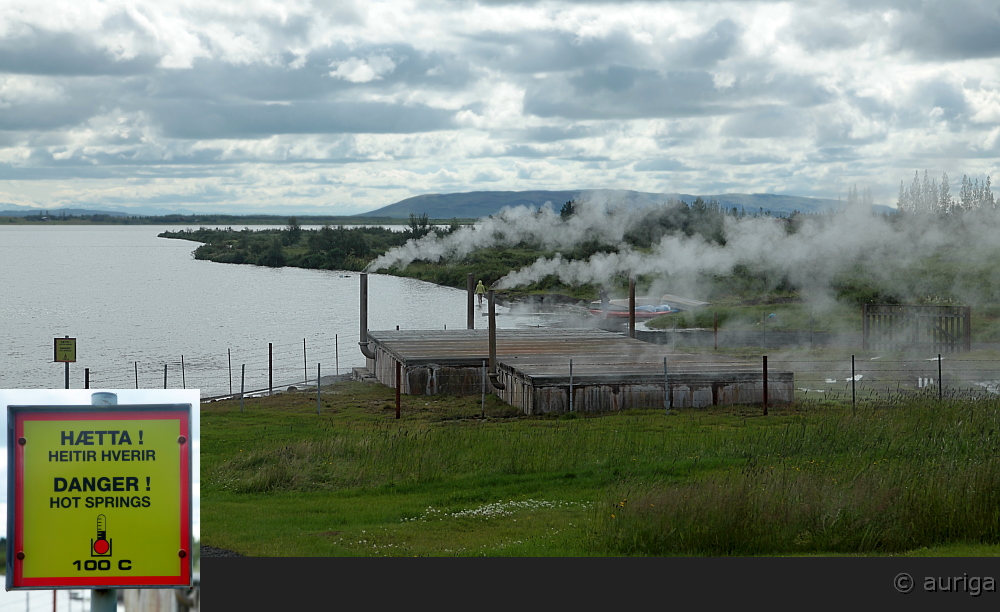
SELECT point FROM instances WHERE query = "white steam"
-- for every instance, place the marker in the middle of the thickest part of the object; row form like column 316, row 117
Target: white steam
column 854, row 241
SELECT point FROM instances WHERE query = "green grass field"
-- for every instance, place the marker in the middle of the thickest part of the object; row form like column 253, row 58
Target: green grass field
column 909, row 478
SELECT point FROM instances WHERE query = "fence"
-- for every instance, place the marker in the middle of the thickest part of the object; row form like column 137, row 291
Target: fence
column 860, row 377
column 694, row 381
column 272, row 366
column 943, row 329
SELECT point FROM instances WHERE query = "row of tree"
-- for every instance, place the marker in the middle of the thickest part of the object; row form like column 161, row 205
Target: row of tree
column 928, row 196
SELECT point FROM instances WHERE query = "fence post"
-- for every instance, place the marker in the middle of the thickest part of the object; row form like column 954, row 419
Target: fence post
column 243, row 380
column 765, row 385
column 631, row 306
column 854, row 394
column 666, row 388
column 715, row 329
column 398, row 385
column 164, row 376
column 940, row 381
column 484, row 390
column 336, row 351
column 305, row 372
column 183, row 377
column 318, row 387
column 67, row 372
column 229, row 351
column 86, row 378
column 571, row 385
column 137, row 376
column 270, row 368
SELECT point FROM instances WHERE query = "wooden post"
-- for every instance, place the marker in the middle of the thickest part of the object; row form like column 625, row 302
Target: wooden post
column 571, row 385
column 270, row 368
column 666, row 388
column 940, row 382
column 470, row 290
column 765, row 385
column 86, row 378
column 631, row 307
column 399, row 384
column 854, row 393
column 318, row 386
column 715, row 329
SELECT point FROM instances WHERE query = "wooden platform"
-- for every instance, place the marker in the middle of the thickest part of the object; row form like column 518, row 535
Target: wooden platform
column 609, row 371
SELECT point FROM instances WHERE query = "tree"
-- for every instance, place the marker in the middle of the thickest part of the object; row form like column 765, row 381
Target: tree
column 419, row 225
column 944, row 197
column 273, row 255
column 568, row 210
column 293, row 233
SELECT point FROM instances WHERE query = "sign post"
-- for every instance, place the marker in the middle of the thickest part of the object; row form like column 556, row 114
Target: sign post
column 99, row 497
column 65, row 351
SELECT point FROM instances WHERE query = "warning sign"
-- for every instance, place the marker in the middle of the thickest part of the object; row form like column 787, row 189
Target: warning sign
column 65, row 350
column 101, row 496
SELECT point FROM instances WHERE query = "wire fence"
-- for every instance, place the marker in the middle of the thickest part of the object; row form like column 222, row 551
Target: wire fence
column 276, row 366
column 269, row 367
column 595, row 383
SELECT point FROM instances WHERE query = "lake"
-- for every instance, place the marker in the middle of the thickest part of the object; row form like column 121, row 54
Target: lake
column 136, row 303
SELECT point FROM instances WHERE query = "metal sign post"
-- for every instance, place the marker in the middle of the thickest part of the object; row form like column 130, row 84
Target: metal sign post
column 100, row 496
column 65, row 351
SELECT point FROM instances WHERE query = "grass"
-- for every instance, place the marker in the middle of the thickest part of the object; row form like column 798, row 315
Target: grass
column 912, row 477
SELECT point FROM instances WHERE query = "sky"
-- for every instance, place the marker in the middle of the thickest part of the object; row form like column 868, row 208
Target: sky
column 345, row 106
column 82, row 397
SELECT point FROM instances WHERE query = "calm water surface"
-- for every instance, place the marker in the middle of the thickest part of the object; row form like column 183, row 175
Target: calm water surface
column 135, row 301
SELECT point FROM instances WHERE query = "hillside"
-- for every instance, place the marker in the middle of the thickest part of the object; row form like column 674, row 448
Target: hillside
column 482, row 203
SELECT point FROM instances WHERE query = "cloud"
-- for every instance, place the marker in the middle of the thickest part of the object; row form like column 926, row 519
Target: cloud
column 938, row 29
column 654, row 96
column 362, row 70
column 41, row 52
column 202, row 120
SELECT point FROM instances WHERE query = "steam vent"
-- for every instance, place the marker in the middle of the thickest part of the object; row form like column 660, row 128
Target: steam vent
column 610, row 372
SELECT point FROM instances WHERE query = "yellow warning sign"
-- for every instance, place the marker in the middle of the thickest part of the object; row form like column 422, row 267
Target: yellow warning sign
column 102, row 498
column 65, row 349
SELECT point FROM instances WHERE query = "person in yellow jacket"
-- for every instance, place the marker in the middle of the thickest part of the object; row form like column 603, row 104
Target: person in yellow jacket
column 480, row 293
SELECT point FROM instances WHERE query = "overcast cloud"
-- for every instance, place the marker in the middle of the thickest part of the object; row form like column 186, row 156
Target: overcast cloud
column 350, row 105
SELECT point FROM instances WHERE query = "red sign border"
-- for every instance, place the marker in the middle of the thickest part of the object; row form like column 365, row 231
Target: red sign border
column 89, row 413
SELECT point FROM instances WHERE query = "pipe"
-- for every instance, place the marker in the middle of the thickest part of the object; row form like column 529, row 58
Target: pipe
column 631, row 307
column 363, row 344
column 494, row 376
column 470, row 286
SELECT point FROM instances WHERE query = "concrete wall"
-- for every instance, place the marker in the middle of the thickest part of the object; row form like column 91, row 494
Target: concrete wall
column 698, row 391
column 427, row 379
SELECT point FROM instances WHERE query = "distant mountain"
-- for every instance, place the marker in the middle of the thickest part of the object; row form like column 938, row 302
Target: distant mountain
column 478, row 204
column 15, row 210
column 470, row 205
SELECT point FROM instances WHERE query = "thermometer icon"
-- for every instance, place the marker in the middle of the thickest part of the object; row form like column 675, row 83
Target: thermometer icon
column 101, row 547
